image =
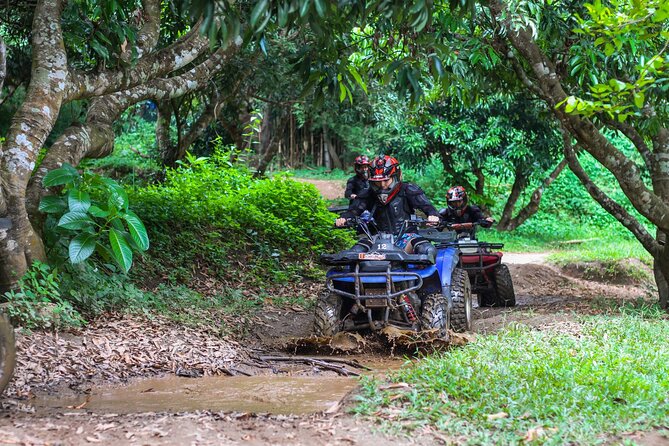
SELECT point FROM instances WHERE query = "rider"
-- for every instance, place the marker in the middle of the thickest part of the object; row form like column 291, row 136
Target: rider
column 461, row 216
column 391, row 202
column 358, row 182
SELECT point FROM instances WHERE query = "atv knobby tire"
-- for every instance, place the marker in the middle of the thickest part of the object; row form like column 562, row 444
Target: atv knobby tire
column 506, row 296
column 461, row 301
column 327, row 321
column 434, row 315
column 7, row 351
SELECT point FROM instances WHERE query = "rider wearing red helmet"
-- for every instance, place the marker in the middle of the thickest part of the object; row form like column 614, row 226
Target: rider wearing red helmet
column 460, row 215
column 358, row 183
column 391, row 202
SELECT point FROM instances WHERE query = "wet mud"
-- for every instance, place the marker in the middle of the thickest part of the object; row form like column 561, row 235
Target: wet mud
column 286, row 395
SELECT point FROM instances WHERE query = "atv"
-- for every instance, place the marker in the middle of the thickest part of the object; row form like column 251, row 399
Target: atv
column 490, row 278
column 386, row 286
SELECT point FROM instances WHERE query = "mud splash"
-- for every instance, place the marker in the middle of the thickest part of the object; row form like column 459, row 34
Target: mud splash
column 389, row 341
column 257, row 394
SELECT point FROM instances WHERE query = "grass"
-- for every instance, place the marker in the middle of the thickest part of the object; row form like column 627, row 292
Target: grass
column 611, row 378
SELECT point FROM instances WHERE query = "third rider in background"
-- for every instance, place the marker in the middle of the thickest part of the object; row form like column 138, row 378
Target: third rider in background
column 461, row 216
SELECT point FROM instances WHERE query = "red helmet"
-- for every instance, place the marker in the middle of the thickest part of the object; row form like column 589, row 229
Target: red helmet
column 361, row 166
column 382, row 169
column 457, row 199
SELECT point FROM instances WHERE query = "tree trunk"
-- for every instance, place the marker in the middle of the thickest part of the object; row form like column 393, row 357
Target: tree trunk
column 331, row 150
column 30, row 126
column 3, row 63
column 270, row 135
column 166, row 149
column 661, row 271
column 517, row 188
column 533, row 205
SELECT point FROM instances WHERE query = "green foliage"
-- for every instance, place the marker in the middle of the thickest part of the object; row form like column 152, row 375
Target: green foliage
column 213, row 219
column 610, row 378
column 285, row 214
column 90, row 215
column 38, row 301
column 133, row 160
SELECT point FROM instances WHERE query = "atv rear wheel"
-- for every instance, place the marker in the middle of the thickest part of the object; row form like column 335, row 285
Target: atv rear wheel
column 434, row 315
column 327, row 321
column 461, row 302
column 506, row 296
column 487, row 298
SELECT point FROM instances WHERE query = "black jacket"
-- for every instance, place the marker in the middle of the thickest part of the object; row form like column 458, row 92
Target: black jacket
column 390, row 216
column 472, row 214
column 355, row 185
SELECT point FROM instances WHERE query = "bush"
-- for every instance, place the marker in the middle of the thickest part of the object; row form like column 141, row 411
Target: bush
column 209, row 213
column 38, row 302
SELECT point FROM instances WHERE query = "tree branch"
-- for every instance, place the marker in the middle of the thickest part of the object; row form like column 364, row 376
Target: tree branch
column 586, row 133
column 151, row 66
column 610, row 205
column 633, row 135
column 3, row 63
column 533, row 205
column 95, row 138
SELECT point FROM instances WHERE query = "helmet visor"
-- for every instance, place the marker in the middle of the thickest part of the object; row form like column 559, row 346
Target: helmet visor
column 456, row 204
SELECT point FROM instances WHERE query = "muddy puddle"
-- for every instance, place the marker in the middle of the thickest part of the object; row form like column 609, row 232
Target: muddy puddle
column 257, row 394
column 275, row 394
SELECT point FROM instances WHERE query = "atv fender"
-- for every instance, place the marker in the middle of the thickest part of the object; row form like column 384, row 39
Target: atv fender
column 447, row 261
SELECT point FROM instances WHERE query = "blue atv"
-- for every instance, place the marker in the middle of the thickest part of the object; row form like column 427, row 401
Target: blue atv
column 386, row 286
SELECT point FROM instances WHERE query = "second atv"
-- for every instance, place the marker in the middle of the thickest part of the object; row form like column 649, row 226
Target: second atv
column 490, row 278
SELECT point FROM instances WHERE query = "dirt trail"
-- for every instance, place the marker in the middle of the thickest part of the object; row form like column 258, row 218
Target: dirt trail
column 92, row 412
column 83, row 402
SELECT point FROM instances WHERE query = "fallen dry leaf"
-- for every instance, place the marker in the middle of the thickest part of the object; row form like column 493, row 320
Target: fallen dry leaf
column 394, row 386
column 497, row 416
column 537, row 432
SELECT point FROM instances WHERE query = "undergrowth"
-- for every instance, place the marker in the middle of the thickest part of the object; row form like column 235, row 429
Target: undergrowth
column 541, row 387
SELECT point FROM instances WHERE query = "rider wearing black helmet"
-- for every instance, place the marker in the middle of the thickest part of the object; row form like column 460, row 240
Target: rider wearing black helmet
column 391, row 202
column 358, row 182
column 460, row 215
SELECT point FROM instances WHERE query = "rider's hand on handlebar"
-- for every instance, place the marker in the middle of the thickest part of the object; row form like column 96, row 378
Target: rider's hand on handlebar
column 353, row 196
column 459, row 226
column 340, row 222
column 432, row 220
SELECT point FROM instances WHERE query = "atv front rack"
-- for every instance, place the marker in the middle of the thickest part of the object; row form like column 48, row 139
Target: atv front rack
column 386, row 298
column 349, row 258
column 387, row 274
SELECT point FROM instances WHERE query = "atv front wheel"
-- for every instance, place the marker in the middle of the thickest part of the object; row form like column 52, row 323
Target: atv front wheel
column 327, row 321
column 461, row 302
column 506, row 296
column 434, row 315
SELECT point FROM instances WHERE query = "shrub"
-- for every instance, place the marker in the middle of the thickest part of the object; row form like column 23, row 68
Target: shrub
column 38, row 302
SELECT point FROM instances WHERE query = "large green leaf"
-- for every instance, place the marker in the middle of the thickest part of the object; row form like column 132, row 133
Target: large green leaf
column 58, row 177
column 75, row 220
column 52, row 204
column 137, row 230
column 81, row 247
column 121, row 249
column 78, row 200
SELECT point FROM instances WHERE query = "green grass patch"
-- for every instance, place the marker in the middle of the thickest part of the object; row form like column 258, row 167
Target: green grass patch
column 612, row 377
